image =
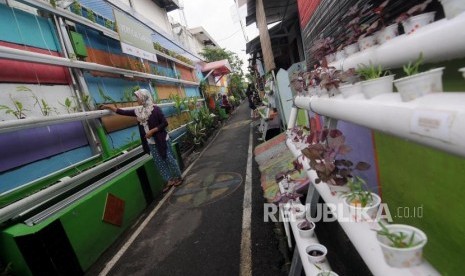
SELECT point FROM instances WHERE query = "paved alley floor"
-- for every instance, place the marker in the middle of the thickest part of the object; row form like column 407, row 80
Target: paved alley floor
column 199, row 227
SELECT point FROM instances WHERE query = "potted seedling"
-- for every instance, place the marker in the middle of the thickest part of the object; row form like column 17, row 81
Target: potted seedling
column 327, row 273
column 416, row 84
column 306, row 228
column 316, row 253
column 350, row 83
column 402, row 245
column 362, row 204
column 18, row 109
column 376, row 80
column 462, row 70
column 413, row 19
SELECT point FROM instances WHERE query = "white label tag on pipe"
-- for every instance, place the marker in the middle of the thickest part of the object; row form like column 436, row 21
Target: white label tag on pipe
column 434, row 124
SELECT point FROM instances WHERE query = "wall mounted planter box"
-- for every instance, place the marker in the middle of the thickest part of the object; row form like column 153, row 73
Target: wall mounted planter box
column 420, row 84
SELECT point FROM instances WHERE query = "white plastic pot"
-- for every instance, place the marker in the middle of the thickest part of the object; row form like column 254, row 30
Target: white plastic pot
column 366, row 42
column 463, row 71
column 415, row 22
column 306, row 233
column 330, row 57
column 318, row 247
column 340, row 55
column 327, row 273
column 351, row 49
column 452, row 8
column 420, row 84
column 348, row 90
column 366, row 213
column 386, row 33
column 403, row 257
column 374, row 87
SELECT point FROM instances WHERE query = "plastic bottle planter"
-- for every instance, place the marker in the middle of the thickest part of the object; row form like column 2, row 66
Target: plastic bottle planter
column 374, row 87
column 367, row 213
column 327, row 273
column 316, row 253
column 366, row 42
column 463, row 71
column 348, row 90
column 403, row 257
column 452, row 8
column 386, row 33
column 415, row 22
column 306, row 228
column 420, row 84
column 351, row 49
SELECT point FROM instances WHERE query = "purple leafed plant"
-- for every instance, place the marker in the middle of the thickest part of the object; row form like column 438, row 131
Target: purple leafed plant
column 324, row 156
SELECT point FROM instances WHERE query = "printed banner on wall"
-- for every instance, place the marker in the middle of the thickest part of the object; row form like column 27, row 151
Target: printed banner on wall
column 136, row 39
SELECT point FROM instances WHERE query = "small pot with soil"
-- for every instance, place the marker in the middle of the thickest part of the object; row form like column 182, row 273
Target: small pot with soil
column 316, row 253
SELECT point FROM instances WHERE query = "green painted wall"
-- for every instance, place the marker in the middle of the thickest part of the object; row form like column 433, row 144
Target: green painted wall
column 88, row 234
column 413, row 176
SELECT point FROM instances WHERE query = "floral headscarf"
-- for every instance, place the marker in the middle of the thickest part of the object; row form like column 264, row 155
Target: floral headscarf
column 143, row 112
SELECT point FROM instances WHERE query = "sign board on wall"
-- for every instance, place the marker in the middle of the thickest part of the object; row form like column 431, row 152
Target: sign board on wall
column 136, row 39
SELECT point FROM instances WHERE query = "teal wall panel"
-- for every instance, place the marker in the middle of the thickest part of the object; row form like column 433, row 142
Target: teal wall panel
column 14, row 178
column 20, row 27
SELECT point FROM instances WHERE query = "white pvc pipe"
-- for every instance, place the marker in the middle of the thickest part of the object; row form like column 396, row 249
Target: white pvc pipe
column 292, row 118
column 22, row 55
column 64, row 185
column 438, row 41
column 360, row 233
column 436, row 120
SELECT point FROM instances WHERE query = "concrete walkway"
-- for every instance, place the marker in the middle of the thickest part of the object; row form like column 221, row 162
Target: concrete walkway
column 212, row 224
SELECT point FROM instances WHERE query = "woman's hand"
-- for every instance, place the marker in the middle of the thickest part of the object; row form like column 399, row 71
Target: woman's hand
column 151, row 132
column 106, row 106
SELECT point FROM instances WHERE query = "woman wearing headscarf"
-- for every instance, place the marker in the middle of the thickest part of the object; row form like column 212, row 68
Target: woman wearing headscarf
column 155, row 139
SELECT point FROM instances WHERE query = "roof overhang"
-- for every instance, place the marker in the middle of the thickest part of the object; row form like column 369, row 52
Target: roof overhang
column 275, row 10
column 202, row 35
column 217, row 68
column 169, row 5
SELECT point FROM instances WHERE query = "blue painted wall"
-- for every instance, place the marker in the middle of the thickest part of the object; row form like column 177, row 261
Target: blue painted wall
column 22, row 175
column 20, row 27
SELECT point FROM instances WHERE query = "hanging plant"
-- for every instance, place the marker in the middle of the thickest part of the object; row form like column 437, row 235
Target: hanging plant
column 76, row 8
column 91, row 15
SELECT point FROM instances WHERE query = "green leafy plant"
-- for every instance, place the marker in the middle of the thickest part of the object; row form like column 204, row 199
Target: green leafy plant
column 91, row 15
column 412, row 68
column 109, row 24
column 371, row 71
column 45, row 108
column 128, row 94
column 197, row 133
column 105, row 97
column 76, row 8
column 17, row 110
column 358, row 196
column 53, row 3
column 70, row 105
column 178, row 102
column 398, row 239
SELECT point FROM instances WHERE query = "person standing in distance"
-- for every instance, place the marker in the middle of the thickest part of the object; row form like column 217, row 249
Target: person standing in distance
column 155, row 139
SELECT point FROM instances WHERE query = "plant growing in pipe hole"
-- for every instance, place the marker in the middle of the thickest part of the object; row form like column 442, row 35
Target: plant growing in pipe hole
column 398, row 239
column 45, row 108
column 371, row 71
column 358, row 196
column 18, row 109
column 412, row 68
column 324, row 157
column 70, row 105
